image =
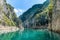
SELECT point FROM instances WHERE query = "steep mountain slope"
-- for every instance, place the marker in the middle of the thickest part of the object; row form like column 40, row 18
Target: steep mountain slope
column 7, row 14
column 31, row 11
column 29, row 18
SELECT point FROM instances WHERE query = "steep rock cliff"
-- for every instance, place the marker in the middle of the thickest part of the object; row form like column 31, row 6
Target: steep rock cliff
column 56, row 17
column 7, row 14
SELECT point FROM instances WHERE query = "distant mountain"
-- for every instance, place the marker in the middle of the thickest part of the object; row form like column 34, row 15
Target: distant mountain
column 31, row 11
column 29, row 17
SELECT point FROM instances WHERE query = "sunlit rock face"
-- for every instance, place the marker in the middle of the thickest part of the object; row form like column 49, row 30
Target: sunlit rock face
column 56, row 17
column 2, row 8
column 5, row 8
column 6, row 12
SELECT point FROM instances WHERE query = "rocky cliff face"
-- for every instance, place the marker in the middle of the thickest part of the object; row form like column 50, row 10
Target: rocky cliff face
column 2, row 8
column 56, row 17
column 7, row 14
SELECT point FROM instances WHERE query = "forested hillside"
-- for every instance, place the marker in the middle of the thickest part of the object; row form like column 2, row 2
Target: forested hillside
column 36, row 16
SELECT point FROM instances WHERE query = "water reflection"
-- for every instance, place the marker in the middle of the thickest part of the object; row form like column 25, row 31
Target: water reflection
column 30, row 34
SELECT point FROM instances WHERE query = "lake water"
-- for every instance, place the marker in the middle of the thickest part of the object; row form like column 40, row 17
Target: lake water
column 30, row 34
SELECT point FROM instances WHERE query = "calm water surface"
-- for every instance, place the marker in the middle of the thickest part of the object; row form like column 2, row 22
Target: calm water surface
column 31, row 34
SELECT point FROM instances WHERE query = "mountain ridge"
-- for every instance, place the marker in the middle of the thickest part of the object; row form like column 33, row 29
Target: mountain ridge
column 26, row 16
column 33, row 9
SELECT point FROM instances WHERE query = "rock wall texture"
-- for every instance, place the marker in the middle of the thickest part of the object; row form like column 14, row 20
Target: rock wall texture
column 6, row 13
column 56, row 17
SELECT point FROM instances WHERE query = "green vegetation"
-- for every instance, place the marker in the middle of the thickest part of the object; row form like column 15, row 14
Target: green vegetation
column 39, row 13
column 9, row 18
column 11, row 15
column 8, row 21
column 16, row 20
column 0, row 22
column 9, row 7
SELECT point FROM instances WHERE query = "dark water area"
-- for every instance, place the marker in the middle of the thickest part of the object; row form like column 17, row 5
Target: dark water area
column 31, row 34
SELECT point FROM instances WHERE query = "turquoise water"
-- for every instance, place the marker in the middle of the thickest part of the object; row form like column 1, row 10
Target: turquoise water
column 30, row 34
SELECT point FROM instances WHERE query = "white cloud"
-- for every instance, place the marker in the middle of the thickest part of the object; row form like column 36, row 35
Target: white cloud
column 18, row 12
column 15, row 10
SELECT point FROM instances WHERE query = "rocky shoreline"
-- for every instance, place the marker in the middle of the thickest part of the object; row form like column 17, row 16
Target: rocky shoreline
column 56, row 31
column 6, row 29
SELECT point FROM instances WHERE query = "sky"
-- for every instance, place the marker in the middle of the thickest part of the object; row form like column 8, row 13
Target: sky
column 21, row 6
